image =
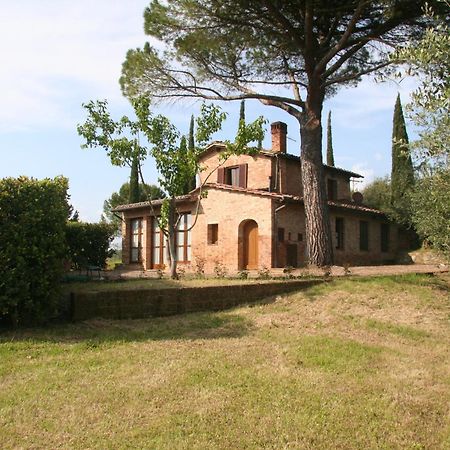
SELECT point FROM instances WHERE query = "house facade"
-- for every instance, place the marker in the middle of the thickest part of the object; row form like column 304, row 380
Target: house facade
column 253, row 217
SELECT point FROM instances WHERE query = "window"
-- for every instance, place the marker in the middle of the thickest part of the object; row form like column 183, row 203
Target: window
column 299, row 237
column 332, row 189
column 280, row 234
column 183, row 238
column 233, row 176
column 213, row 234
column 159, row 249
column 384, row 237
column 136, row 240
column 339, row 233
column 363, row 235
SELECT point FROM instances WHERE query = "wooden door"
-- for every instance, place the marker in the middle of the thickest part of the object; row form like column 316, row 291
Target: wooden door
column 251, row 245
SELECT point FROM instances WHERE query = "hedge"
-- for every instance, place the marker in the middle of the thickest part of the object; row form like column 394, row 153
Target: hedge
column 88, row 243
column 33, row 216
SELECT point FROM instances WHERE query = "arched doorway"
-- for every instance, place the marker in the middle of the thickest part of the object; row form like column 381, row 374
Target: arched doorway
column 249, row 257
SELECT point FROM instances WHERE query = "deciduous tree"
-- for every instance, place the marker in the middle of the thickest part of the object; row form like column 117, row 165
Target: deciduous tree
column 175, row 162
column 290, row 55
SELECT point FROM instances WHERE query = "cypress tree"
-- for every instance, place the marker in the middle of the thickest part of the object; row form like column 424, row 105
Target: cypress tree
column 402, row 175
column 242, row 113
column 191, row 144
column 330, row 154
column 134, row 181
column 191, row 147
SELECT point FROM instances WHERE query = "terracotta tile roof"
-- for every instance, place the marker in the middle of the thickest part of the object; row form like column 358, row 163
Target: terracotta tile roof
column 189, row 197
column 294, row 198
column 270, row 154
column 193, row 195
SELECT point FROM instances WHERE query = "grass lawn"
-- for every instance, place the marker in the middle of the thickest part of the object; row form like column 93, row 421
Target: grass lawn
column 351, row 364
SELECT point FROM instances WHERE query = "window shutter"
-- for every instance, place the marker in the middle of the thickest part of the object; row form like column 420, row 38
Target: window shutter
column 243, row 175
column 221, row 175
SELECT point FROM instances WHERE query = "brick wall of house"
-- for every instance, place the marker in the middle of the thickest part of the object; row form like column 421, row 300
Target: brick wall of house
column 259, row 168
column 351, row 253
column 229, row 210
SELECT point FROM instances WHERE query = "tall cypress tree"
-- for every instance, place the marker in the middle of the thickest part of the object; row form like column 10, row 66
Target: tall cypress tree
column 191, row 147
column 242, row 114
column 134, row 181
column 402, row 175
column 330, row 154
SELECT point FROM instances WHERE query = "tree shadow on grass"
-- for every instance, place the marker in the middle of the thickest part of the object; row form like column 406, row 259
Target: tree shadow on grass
column 196, row 326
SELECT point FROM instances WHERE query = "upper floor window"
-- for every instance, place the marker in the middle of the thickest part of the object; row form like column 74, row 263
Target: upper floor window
column 332, row 189
column 233, row 176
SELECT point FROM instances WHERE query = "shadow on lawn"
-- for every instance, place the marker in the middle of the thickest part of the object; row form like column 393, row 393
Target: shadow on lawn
column 99, row 331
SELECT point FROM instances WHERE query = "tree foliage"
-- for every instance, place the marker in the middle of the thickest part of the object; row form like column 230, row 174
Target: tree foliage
column 33, row 216
column 134, row 194
column 89, row 243
column 122, row 196
column 290, row 55
column 402, row 174
column 377, row 194
column 430, row 111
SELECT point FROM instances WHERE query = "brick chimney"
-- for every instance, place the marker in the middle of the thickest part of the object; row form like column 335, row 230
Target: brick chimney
column 279, row 133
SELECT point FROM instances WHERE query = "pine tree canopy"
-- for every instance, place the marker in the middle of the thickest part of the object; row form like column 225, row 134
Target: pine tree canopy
column 289, row 55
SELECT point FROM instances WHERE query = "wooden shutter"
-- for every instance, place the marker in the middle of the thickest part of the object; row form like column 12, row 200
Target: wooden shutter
column 243, row 175
column 221, row 175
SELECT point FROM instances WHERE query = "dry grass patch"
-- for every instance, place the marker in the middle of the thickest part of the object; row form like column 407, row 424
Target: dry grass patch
column 352, row 364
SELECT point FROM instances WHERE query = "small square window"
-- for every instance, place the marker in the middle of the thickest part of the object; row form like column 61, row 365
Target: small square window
column 213, row 233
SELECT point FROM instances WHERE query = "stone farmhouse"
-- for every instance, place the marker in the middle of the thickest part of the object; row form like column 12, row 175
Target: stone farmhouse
column 253, row 217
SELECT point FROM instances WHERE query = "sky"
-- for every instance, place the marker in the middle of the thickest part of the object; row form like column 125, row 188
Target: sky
column 59, row 54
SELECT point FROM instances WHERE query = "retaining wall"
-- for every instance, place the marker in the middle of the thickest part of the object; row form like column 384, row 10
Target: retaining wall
column 138, row 304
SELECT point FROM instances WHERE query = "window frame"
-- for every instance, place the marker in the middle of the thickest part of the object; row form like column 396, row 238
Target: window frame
column 363, row 236
column 340, row 233
column 384, row 237
column 213, row 234
column 133, row 234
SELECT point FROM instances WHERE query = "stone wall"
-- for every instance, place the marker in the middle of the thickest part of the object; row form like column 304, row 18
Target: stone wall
column 137, row 304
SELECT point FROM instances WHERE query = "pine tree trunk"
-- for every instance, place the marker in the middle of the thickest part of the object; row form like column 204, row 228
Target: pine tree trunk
column 171, row 239
column 318, row 230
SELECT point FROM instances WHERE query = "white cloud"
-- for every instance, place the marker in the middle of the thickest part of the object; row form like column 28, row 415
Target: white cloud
column 51, row 49
column 366, row 106
column 366, row 172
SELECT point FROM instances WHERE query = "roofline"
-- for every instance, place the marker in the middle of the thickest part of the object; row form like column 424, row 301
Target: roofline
column 271, row 154
column 181, row 198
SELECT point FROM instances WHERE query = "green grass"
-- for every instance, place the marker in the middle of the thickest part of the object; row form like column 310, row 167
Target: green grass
column 355, row 363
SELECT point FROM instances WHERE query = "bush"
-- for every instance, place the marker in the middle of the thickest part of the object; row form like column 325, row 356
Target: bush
column 88, row 243
column 33, row 215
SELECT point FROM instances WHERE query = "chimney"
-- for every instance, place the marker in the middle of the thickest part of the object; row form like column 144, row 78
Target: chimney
column 279, row 133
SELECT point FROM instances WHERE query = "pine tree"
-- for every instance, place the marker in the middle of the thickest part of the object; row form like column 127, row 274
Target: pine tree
column 330, row 154
column 134, row 182
column 402, row 175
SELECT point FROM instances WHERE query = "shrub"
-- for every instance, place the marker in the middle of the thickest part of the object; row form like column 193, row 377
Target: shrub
column 89, row 243
column 33, row 215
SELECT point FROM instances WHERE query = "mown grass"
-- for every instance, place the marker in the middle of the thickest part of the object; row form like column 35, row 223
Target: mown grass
column 355, row 363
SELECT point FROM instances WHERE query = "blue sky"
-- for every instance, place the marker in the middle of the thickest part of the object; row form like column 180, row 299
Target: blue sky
column 57, row 54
